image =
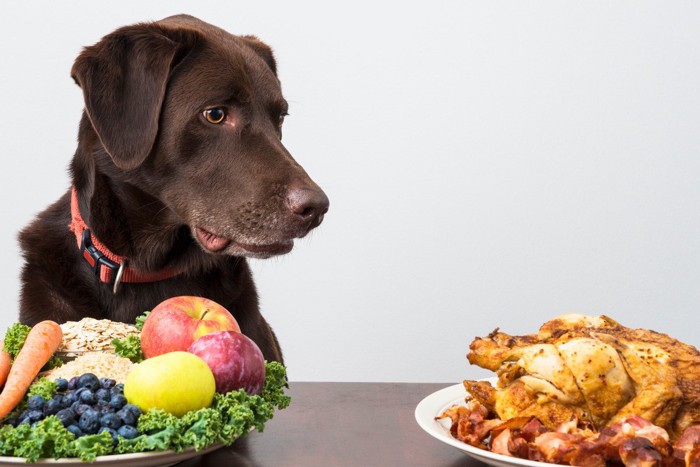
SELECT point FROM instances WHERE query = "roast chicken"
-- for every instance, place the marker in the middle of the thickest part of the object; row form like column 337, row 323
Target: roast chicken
column 592, row 369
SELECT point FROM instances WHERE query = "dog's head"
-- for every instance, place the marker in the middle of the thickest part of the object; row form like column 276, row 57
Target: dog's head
column 193, row 115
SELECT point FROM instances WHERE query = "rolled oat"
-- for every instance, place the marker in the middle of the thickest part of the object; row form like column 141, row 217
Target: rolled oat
column 93, row 334
column 101, row 364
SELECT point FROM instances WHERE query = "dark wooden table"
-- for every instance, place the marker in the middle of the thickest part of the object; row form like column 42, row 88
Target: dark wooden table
column 342, row 424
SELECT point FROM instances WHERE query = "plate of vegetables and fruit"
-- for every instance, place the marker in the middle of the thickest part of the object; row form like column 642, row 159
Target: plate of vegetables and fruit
column 128, row 400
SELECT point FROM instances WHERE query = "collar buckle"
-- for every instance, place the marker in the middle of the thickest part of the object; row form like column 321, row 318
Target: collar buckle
column 94, row 257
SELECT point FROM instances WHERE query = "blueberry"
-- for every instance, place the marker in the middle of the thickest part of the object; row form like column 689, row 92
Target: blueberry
column 107, row 383
column 36, row 402
column 35, row 415
column 128, row 432
column 52, row 407
column 133, row 409
column 75, row 429
column 103, row 407
column 88, row 380
column 25, row 420
column 89, row 421
column 73, row 382
column 126, row 416
column 117, row 401
column 110, row 420
column 79, row 408
column 67, row 416
column 69, row 398
column 88, row 397
column 118, row 389
column 103, row 394
column 61, row 384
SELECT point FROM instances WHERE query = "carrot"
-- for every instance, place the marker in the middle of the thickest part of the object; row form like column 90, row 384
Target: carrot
column 41, row 343
column 5, row 364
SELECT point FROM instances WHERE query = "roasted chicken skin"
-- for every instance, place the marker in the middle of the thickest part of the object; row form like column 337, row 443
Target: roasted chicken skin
column 591, row 368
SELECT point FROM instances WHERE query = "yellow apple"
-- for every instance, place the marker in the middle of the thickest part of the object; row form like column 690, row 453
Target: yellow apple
column 176, row 382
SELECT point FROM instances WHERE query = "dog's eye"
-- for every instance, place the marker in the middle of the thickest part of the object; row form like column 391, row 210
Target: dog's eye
column 215, row 115
column 280, row 122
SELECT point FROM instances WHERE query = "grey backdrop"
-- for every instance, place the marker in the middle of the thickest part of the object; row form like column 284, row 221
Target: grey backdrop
column 489, row 164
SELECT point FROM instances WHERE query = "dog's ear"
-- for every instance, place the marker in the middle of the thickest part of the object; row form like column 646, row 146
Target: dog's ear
column 123, row 78
column 263, row 50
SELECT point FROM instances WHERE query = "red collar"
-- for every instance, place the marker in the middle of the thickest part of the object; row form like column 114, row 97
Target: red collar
column 110, row 268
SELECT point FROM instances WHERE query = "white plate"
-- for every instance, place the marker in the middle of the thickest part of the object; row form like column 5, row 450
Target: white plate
column 141, row 459
column 436, row 403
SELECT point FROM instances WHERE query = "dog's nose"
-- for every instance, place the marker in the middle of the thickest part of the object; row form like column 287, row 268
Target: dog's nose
column 308, row 205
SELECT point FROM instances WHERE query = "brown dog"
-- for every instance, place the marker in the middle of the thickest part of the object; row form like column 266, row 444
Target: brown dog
column 179, row 175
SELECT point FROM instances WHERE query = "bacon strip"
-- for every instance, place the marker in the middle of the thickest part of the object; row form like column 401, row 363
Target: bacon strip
column 632, row 441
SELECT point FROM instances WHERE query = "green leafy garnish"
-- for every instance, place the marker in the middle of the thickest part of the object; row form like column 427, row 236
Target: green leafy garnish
column 141, row 319
column 48, row 438
column 158, row 441
column 275, row 384
column 14, row 338
column 88, row 447
column 130, row 347
column 44, row 388
column 200, row 428
column 54, row 362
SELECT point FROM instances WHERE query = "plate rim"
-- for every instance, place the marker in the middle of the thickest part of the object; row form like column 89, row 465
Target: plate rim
column 434, row 404
column 131, row 458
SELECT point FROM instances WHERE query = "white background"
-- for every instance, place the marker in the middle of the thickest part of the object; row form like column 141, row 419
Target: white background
column 489, row 164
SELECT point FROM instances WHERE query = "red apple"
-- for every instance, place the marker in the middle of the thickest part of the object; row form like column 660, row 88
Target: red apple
column 234, row 359
column 178, row 321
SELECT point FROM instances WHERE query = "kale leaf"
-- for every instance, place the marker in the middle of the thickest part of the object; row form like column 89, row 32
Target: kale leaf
column 14, row 338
